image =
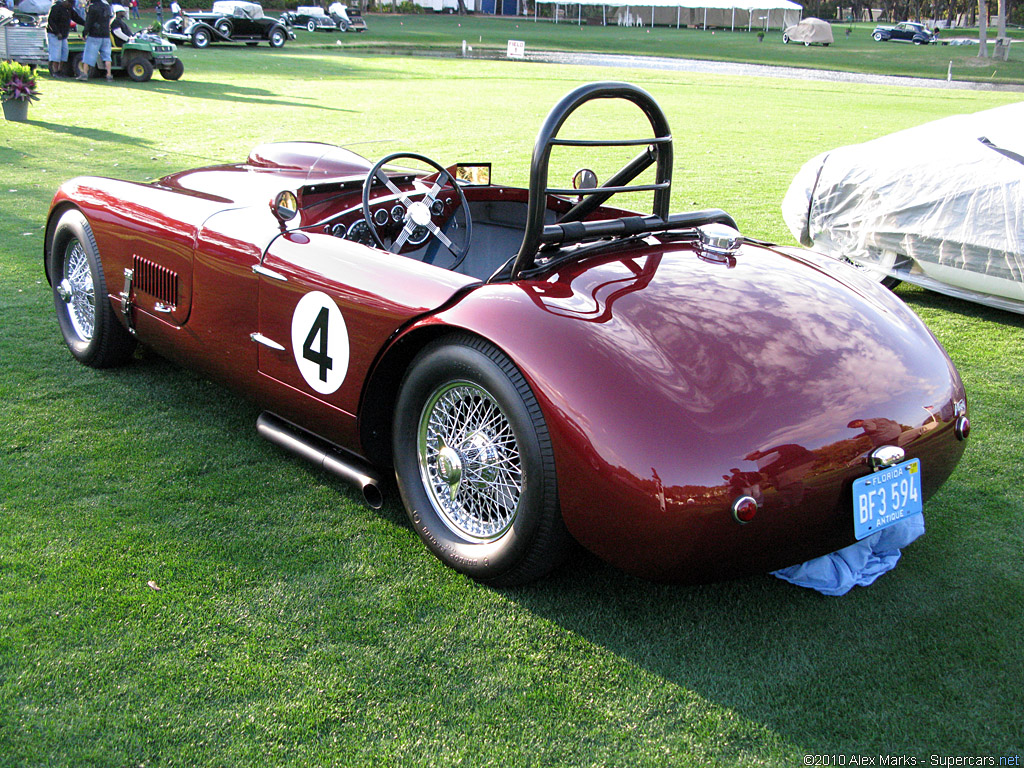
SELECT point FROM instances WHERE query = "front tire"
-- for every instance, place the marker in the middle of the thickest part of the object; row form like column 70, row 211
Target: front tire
column 87, row 321
column 277, row 37
column 877, row 37
column 174, row 71
column 140, row 70
column 475, row 465
column 200, row 39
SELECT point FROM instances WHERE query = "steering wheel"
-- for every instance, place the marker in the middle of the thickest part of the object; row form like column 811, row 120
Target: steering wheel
column 418, row 215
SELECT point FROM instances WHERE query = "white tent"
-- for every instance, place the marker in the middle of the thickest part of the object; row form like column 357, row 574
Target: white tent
column 729, row 14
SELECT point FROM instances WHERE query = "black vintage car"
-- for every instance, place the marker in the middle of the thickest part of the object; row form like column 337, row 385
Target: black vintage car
column 230, row 21
column 906, row 31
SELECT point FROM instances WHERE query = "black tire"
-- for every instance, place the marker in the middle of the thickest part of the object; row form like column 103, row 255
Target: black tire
column 311, row 26
column 785, row 39
column 87, row 320
column 486, row 504
column 174, row 71
column 224, row 26
column 277, row 37
column 252, row 44
column 200, row 39
column 140, row 70
column 72, row 65
column 343, row 25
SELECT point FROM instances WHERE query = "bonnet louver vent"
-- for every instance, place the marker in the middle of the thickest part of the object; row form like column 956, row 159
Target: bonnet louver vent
column 155, row 280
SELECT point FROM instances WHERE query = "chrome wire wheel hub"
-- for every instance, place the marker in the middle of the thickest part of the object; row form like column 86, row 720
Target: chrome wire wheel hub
column 77, row 292
column 469, row 461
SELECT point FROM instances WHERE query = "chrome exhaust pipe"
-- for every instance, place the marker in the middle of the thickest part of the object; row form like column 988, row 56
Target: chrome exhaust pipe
column 323, row 454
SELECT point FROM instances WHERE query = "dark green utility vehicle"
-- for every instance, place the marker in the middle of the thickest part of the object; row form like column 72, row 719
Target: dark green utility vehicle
column 138, row 57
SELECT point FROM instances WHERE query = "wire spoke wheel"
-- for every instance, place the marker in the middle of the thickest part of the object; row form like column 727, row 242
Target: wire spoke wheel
column 78, row 291
column 475, row 465
column 469, row 461
column 86, row 318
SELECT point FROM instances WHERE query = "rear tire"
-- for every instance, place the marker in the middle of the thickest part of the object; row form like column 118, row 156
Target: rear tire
column 86, row 318
column 224, row 27
column 475, row 465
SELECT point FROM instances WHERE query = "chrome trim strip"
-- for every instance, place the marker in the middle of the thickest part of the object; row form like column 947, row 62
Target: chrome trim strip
column 259, row 338
column 259, row 269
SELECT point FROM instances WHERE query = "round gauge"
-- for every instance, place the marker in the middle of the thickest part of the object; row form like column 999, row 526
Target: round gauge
column 398, row 214
column 419, row 234
column 437, row 207
column 360, row 233
column 380, row 217
column 338, row 230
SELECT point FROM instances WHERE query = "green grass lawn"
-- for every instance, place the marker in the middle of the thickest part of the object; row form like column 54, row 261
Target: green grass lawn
column 854, row 53
column 294, row 626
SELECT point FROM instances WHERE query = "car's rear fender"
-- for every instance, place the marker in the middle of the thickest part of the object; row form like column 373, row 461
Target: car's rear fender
column 669, row 385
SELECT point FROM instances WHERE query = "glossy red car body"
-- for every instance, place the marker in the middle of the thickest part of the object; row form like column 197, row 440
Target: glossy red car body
column 671, row 383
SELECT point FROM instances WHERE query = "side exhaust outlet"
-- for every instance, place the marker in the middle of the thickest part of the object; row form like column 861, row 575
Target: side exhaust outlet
column 324, row 455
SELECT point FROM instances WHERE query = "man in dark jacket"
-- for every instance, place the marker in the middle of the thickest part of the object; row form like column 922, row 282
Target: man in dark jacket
column 58, row 27
column 97, row 37
column 120, row 32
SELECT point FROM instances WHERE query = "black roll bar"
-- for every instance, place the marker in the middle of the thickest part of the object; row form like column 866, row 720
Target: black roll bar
column 657, row 151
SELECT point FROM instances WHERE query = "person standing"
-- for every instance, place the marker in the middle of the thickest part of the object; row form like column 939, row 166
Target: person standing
column 134, row 6
column 58, row 27
column 160, row 12
column 97, row 37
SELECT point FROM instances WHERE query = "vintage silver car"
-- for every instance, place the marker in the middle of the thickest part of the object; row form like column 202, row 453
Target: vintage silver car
column 938, row 206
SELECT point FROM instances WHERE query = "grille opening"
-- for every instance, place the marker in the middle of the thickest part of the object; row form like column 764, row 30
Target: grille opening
column 157, row 281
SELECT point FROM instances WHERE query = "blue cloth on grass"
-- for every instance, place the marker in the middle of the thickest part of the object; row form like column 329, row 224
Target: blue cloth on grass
column 858, row 564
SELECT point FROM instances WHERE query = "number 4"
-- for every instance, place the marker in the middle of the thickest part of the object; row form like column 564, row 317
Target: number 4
column 319, row 356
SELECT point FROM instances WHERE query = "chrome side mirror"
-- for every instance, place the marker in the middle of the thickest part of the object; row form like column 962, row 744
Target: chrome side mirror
column 584, row 178
column 285, row 207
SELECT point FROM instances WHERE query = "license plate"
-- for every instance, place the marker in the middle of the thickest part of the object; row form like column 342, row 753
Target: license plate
column 885, row 497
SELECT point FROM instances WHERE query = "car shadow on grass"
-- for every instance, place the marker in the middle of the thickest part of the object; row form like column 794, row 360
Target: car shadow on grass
column 877, row 671
column 221, row 92
column 93, row 134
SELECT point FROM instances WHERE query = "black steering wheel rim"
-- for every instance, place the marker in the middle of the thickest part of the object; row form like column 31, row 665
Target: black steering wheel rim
column 419, row 208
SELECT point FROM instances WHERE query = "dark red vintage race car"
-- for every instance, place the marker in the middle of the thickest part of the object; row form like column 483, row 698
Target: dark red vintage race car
column 535, row 365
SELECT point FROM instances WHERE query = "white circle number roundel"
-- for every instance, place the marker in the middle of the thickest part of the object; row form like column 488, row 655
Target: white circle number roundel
column 320, row 342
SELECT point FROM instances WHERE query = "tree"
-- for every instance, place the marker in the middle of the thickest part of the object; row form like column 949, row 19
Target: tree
column 983, row 29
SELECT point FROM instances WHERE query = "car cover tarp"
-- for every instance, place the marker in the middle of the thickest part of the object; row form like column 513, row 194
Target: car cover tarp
column 950, row 192
column 811, row 30
column 858, row 564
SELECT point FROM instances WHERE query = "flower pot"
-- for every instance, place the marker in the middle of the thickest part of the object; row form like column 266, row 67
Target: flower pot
column 16, row 110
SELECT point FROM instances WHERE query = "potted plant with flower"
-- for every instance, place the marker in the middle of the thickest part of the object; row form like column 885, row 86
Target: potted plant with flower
column 17, row 89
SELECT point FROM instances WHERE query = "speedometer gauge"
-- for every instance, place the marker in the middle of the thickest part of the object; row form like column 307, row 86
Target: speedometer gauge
column 360, row 233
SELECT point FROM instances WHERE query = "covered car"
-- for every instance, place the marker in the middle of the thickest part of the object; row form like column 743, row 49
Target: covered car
column 808, row 31
column 534, row 366
column 940, row 205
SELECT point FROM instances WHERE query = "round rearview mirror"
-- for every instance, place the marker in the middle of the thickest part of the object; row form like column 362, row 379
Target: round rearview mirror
column 584, row 178
column 286, row 206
